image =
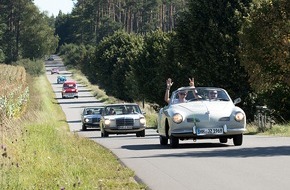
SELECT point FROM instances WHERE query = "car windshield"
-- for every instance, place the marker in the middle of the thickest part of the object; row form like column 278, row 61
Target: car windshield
column 199, row 93
column 93, row 111
column 69, row 85
column 122, row 109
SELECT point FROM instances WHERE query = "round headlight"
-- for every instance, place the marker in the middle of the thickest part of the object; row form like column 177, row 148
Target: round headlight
column 107, row 122
column 239, row 116
column 142, row 121
column 87, row 120
column 177, row 118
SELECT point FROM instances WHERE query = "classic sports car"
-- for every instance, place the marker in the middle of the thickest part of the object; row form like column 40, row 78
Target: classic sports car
column 91, row 117
column 54, row 71
column 61, row 79
column 208, row 113
column 69, row 90
column 122, row 118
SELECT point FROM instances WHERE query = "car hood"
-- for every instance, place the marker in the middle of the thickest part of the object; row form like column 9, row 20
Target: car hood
column 205, row 109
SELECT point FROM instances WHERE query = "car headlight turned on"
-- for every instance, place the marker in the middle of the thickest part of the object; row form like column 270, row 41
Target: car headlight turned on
column 87, row 120
column 239, row 116
column 177, row 118
column 142, row 121
column 107, row 122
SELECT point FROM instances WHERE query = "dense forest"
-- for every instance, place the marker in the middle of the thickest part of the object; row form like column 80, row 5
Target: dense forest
column 129, row 48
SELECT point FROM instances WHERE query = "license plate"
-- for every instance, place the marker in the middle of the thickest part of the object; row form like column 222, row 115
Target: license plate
column 125, row 127
column 209, row 131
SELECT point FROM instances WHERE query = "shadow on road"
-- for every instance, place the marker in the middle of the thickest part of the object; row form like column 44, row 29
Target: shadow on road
column 235, row 153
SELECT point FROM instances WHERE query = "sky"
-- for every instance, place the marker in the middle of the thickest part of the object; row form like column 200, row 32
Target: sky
column 53, row 6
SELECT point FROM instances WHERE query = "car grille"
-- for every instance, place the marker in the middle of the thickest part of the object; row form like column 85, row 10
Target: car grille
column 95, row 120
column 125, row 122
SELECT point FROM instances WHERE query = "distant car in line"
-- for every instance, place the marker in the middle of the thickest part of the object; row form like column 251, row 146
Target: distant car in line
column 54, row 71
column 61, row 79
column 91, row 117
column 208, row 113
column 122, row 118
column 50, row 58
column 69, row 90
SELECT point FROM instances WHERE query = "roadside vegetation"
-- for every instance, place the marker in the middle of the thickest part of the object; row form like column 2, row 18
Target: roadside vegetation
column 282, row 130
column 38, row 151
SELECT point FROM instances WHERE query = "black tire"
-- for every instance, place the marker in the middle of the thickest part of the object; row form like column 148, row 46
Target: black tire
column 142, row 133
column 238, row 140
column 84, row 128
column 163, row 140
column 106, row 134
column 174, row 142
column 138, row 134
column 223, row 140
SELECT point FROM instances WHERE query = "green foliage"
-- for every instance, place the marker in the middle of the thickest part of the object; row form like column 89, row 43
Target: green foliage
column 91, row 21
column 33, row 67
column 72, row 54
column 24, row 32
column 208, row 42
column 115, row 56
column 265, row 54
column 149, row 69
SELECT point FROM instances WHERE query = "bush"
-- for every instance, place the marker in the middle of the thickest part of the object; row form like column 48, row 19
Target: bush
column 34, row 68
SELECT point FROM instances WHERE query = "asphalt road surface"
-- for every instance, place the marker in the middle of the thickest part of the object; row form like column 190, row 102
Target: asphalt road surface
column 261, row 163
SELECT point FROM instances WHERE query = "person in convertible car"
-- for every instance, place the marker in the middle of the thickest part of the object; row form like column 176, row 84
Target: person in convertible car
column 181, row 94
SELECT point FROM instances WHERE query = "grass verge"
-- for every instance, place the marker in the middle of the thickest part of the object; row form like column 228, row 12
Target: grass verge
column 39, row 152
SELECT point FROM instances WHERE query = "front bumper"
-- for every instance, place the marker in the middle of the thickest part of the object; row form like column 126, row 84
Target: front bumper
column 115, row 130
column 192, row 132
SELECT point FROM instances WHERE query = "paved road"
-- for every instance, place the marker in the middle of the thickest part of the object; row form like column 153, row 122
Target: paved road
column 261, row 163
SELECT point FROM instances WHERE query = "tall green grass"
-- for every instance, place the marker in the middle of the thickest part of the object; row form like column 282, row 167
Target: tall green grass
column 39, row 152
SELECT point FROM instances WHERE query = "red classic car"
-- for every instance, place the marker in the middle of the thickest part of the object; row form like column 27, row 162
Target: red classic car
column 69, row 90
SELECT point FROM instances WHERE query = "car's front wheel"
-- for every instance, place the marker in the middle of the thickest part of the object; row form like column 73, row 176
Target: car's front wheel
column 140, row 133
column 223, row 140
column 84, row 128
column 174, row 142
column 238, row 140
column 163, row 140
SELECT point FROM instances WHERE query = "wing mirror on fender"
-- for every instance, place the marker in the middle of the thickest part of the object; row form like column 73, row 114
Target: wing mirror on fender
column 238, row 100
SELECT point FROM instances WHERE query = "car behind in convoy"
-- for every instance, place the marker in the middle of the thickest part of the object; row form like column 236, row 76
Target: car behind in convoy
column 122, row 118
column 201, row 117
column 54, row 71
column 91, row 117
column 69, row 90
column 61, row 79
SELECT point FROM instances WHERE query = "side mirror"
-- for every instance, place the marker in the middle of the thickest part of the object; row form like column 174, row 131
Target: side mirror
column 238, row 100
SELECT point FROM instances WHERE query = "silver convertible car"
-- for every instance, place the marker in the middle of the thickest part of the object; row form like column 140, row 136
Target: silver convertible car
column 122, row 118
column 207, row 113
